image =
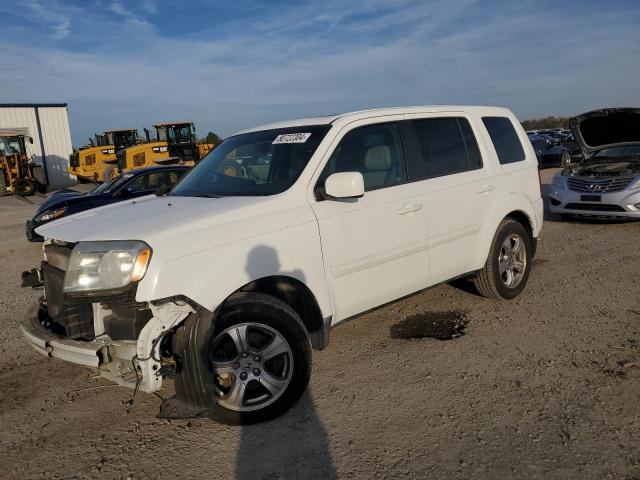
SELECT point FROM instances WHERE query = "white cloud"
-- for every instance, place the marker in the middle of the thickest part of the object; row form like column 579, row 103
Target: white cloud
column 330, row 57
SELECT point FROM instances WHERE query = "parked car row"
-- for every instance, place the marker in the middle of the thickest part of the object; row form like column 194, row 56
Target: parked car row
column 227, row 282
column 554, row 146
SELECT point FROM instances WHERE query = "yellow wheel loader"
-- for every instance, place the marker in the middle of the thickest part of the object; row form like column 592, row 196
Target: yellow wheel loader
column 16, row 168
column 175, row 142
column 96, row 162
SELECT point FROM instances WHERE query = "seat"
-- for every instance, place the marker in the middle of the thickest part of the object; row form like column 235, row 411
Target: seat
column 377, row 166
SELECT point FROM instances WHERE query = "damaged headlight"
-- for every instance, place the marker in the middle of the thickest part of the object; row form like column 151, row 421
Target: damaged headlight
column 106, row 265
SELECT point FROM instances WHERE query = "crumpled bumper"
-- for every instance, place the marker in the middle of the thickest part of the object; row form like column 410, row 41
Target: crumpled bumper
column 46, row 343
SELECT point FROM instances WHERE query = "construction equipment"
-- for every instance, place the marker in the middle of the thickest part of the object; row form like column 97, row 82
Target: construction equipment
column 96, row 162
column 16, row 168
column 175, row 142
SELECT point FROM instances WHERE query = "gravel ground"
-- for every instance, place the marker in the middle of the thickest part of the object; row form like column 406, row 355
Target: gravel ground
column 546, row 386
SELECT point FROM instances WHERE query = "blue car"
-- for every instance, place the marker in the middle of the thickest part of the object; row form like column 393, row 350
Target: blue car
column 134, row 183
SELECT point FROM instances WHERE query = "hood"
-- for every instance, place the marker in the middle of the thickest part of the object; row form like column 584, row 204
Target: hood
column 193, row 223
column 58, row 199
column 606, row 128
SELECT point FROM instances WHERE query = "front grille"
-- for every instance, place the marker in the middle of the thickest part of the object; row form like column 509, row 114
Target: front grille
column 598, row 185
column 73, row 320
column 594, row 207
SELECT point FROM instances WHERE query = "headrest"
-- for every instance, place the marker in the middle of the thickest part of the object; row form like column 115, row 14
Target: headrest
column 378, row 159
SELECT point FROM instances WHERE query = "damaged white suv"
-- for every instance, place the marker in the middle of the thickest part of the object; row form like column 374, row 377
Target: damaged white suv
column 283, row 231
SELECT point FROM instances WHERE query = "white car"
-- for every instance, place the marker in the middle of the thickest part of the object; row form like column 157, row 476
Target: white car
column 282, row 232
column 607, row 180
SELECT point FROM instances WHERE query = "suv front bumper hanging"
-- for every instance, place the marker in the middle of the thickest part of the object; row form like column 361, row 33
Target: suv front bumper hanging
column 50, row 345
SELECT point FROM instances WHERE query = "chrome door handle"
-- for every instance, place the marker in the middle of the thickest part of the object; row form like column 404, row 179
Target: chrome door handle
column 485, row 189
column 410, row 208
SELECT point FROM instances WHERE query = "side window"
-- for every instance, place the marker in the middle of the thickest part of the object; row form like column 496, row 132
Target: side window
column 447, row 145
column 505, row 139
column 148, row 181
column 174, row 176
column 375, row 151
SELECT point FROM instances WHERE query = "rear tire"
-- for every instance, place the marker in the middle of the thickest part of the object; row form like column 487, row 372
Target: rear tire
column 24, row 187
column 108, row 172
column 279, row 380
column 507, row 269
column 3, row 185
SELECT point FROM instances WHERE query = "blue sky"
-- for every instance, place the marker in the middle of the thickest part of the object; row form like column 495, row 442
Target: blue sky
column 233, row 65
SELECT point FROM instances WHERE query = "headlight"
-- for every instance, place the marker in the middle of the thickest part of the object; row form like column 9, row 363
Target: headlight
column 106, row 265
column 49, row 215
column 557, row 181
column 635, row 184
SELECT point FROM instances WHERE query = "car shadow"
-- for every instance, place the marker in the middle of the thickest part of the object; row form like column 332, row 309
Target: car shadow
column 294, row 445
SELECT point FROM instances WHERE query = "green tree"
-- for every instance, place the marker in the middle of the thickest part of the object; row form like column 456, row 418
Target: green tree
column 212, row 138
column 546, row 122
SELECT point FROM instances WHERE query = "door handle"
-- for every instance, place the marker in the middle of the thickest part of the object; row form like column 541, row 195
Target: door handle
column 409, row 208
column 485, row 188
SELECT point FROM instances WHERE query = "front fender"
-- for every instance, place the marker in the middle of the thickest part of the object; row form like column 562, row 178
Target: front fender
column 209, row 277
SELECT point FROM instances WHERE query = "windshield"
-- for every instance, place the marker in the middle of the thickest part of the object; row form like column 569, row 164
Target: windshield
column 111, row 185
column 617, row 153
column 257, row 163
column 9, row 145
column 124, row 139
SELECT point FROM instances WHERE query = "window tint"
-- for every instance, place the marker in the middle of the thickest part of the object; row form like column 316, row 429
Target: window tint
column 375, row 151
column 447, row 146
column 505, row 139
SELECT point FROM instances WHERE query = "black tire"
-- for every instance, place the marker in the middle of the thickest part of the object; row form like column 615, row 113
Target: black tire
column 107, row 172
column 24, row 187
column 3, row 184
column 266, row 310
column 489, row 282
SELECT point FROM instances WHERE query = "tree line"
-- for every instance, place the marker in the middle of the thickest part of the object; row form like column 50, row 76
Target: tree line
column 546, row 122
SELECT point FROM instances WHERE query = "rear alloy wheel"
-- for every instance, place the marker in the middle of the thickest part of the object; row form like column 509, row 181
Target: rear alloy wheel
column 508, row 265
column 260, row 357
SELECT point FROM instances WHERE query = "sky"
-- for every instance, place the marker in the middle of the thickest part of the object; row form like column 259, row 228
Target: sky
column 231, row 65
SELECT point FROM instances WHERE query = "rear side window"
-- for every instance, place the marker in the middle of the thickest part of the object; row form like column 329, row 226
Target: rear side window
column 447, row 146
column 505, row 139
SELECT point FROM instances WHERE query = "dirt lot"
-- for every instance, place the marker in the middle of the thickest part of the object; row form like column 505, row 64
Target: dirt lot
column 547, row 386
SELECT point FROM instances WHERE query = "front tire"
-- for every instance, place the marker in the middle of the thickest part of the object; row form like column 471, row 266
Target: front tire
column 260, row 355
column 507, row 269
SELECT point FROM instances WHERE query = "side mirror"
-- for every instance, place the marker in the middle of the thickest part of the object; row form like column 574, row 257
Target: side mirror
column 344, row 185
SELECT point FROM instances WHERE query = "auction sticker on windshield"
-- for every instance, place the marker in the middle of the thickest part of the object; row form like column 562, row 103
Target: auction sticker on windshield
column 291, row 138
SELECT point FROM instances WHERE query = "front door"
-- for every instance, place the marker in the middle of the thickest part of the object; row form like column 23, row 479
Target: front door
column 374, row 247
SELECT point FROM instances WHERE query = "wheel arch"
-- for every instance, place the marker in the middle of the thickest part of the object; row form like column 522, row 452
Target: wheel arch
column 299, row 297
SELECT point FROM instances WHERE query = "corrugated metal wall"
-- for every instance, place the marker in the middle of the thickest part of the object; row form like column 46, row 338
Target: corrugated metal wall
column 56, row 136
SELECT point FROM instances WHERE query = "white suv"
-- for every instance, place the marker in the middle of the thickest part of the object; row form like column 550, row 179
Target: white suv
column 282, row 232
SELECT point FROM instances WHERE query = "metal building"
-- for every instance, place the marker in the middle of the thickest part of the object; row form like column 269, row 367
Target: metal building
column 48, row 125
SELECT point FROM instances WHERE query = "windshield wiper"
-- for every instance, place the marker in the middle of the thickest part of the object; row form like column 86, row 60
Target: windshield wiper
column 208, row 195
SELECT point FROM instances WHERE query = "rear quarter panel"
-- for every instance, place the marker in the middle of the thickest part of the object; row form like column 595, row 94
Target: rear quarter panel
column 517, row 184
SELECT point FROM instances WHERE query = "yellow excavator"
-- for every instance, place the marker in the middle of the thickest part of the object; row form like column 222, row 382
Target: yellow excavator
column 175, row 142
column 16, row 168
column 96, row 162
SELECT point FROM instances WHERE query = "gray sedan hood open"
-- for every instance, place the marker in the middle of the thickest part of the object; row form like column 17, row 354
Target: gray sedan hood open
column 606, row 128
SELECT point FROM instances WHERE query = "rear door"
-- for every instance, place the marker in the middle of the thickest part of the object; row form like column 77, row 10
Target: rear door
column 374, row 247
column 459, row 190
